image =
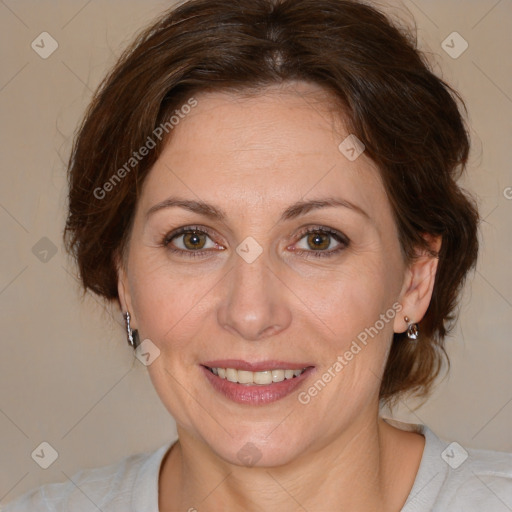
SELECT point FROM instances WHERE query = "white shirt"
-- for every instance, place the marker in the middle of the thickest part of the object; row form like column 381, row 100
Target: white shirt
column 450, row 479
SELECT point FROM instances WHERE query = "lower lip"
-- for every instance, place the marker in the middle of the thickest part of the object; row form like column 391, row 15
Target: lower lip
column 255, row 394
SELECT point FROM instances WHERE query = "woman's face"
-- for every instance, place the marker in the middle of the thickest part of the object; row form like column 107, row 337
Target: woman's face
column 253, row 289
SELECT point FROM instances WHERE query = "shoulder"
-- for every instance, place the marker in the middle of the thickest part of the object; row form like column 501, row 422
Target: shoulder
column 459, row 479
column 108, row 488
column 483, row 481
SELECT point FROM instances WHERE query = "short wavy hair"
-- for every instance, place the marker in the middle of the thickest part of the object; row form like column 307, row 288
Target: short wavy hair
column 383, row 87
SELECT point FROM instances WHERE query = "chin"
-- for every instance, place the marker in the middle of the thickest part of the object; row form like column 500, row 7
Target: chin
column 251, row 449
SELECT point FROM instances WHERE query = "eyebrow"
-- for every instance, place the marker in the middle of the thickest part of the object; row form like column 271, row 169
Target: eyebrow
column 295, row 210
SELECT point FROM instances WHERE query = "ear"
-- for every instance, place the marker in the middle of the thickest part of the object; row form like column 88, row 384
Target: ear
column 418, row 285
column 123, row 290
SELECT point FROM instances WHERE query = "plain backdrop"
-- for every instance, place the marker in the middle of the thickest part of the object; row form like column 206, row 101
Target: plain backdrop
column 67, row 376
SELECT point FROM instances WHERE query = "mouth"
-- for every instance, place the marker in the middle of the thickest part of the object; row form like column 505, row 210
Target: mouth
column 248, row 378
column 255, row 383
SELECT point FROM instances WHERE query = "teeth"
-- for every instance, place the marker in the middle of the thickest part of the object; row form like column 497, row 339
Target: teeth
column 261, row 378
column 244, row 377
column 277, row 375
column 232, row 375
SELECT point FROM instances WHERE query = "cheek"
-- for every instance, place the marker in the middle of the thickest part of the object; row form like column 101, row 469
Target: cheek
column 355, row 306
column 168, row 302
column 349, row 299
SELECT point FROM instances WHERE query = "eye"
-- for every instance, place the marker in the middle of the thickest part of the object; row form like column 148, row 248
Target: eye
column 190, row 241
column 318, row 239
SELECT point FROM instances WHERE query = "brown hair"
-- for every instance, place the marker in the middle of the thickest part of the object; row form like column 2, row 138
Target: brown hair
column 408, row 119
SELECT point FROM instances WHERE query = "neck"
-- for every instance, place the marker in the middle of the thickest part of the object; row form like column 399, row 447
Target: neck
column 369, row 466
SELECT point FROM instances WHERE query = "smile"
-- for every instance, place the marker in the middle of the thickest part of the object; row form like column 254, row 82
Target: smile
column 262, row 378
column 255, row 384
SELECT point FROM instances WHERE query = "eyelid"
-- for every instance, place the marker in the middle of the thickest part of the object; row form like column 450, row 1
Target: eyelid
column 323, row 229
column 185, row 229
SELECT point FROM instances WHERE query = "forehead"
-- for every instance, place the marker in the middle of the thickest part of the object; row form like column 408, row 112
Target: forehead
column 262, row 150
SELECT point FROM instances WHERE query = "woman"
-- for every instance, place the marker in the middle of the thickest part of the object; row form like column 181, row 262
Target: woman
column 268, row 190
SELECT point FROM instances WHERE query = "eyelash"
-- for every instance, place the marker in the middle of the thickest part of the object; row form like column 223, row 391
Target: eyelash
column 339, row 237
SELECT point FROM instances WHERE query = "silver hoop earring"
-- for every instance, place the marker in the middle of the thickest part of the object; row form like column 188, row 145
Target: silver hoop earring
column 133, row 334
column 412, row 329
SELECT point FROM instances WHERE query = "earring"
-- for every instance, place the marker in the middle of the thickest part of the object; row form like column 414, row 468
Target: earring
column 133, row 335
column 412, row 329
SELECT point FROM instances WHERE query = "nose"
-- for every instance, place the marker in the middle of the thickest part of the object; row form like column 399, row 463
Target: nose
column 254, row 305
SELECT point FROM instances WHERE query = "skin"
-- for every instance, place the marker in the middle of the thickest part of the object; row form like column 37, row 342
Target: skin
column 253, row 156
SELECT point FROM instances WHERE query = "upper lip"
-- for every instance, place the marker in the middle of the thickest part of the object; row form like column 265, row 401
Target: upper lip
column 270, row 364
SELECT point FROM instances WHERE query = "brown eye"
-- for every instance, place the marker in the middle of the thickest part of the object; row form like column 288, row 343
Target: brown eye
column 190, row 241
column 194, row 240
column 318, row 240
